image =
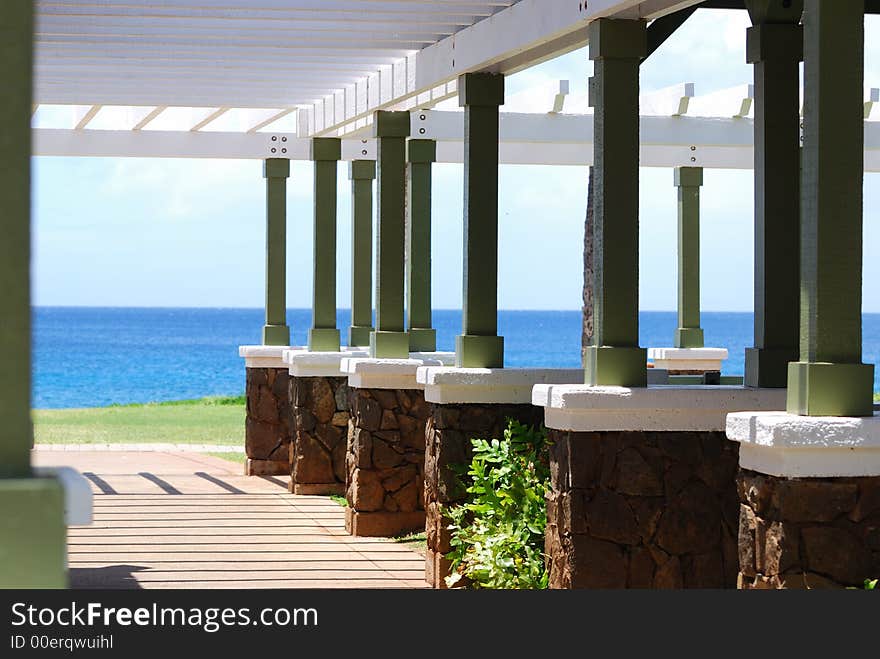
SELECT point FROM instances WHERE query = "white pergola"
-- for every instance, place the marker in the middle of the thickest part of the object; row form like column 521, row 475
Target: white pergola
column 232, row 79
column 239, row 79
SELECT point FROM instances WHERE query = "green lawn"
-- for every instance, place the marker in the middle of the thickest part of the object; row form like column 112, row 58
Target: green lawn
column 203, row 421
column 418, row 542
column 239, row 458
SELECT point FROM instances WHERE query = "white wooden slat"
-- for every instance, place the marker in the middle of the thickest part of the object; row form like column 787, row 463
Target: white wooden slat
column 669, row 101
column 147, row 118
column 542, row 139
column 305, row 121
column 399, row 79
column 360, row 97
column 549, row 97
column 339, row 104
column 268, row 121
column 219, row 112
column 319, row 116
column 83, row 115
column 350, row 100
column 386, row 84
column 394, row 53
column 872, row 99
column 731, row 102
column 373, row 91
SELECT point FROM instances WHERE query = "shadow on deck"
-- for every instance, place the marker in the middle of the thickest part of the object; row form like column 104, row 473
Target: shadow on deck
column 185, row 520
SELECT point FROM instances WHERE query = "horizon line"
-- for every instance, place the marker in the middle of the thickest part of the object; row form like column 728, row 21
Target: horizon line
column 338, row 309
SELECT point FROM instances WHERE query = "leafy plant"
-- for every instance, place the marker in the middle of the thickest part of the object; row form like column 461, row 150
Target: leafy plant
column 871, row 584
column 498, row 536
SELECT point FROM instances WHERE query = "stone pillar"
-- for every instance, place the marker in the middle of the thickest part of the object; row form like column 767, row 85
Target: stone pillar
column 615, row 358
column 276, row 332
column 267, row 419
column 642, row 510
column 809, row 514
column 362, row 173
column 420, row 155
column 32, row 544
column 324, row 336
column 386, row 447
column 775, row 47
column 467, row 404
column 320, row 413
column 479, row 346
column 643, row 485
column 268, row 429
column 809, row 480
column 389, row 340
column 830, row 378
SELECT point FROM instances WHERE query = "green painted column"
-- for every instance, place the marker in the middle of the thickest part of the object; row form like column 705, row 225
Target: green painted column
column 389, row 339
column 16, row 432
column 615, row 358
column 479, row 346
column 276, row 332
column 32, row 539
column 420, row 155
column 689, row 334
column 775, row 48
column 830, row 378
column 324, row 335
column 362, row 173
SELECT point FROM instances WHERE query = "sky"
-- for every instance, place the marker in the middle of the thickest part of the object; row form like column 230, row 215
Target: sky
column 191, row 233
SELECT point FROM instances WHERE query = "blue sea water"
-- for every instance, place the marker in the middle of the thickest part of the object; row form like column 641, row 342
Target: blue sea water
column 86, row 357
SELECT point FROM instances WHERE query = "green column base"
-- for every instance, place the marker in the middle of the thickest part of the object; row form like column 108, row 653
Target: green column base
column 276, row 335
column 389, row 345
column 689, row 337
column 479, row 351
column 359, row 336
column 622, row 367
column 323, row 339
column 422, row 340
column 823, row 389
column 768, row 367
column 33, row 544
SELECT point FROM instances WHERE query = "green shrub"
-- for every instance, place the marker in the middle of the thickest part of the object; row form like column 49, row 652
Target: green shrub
column 498, row 536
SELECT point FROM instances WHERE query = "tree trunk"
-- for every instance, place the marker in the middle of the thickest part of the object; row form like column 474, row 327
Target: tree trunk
column 587, row 334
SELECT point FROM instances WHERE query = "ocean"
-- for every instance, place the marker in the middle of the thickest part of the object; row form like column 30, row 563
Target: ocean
column 87, row 356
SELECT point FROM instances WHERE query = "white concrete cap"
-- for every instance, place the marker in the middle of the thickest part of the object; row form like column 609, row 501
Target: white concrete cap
column 365, row 373
column 78, row 498
column 445, row 384
column 265, row 356
column 444, row 358
column 582, row 408
column 688, row 359
column 687, row 353
column 305, row 364
column 782, row 444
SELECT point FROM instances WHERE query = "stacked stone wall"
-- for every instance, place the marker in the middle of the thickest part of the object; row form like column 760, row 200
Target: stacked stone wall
column 267, row 422
column 642, row 510
column 808, row 532
column 386, row 461
column 320, row 420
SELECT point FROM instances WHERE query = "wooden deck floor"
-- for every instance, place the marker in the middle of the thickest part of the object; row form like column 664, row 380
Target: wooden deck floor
column 165, row 520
